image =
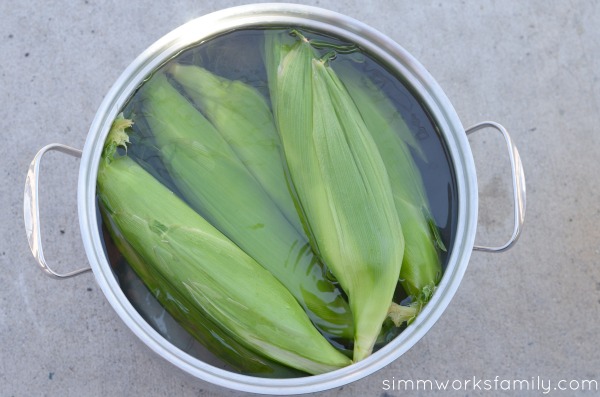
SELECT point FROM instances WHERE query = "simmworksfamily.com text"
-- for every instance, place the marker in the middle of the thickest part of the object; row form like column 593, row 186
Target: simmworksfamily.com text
column 544, row 385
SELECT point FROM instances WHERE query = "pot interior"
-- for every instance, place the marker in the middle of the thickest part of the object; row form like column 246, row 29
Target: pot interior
column 236, row 55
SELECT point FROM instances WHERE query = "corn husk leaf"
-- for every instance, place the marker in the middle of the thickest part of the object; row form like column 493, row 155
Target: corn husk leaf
column 421, row 267
column 342, row 186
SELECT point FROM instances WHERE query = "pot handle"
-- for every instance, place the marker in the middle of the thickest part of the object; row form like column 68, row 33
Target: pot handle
column 518, row 181
column 31, row 209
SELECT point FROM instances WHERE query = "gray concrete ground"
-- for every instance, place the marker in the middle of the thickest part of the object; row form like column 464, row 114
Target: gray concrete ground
column 530, row 312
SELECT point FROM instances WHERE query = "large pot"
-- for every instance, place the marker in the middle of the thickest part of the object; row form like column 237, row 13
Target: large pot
column 451, row 132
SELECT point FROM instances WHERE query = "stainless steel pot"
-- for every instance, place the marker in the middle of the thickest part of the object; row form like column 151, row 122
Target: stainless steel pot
column 260, row 15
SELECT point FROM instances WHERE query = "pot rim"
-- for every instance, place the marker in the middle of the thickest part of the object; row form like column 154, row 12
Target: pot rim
column 395, row 57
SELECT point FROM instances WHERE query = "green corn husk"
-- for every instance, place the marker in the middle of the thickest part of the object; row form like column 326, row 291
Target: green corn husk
column 210, row 271
column 193, row 320
column 275, row 48
column 342, row 187
column 242, row 115
column 421, row 266
column 217, row 184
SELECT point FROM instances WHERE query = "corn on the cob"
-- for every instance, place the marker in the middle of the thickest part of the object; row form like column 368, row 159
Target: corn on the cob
column 217, row 184
column 342, row 186
column 421, row 266
column 243, row 117
column 208, row 269
column 193, row 320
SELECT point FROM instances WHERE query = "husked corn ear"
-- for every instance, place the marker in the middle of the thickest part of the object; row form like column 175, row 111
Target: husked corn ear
column 421, row 267
column 342, row 186
column 209, row 270
column 243, row 117
column 193, row 320
column 216, row 183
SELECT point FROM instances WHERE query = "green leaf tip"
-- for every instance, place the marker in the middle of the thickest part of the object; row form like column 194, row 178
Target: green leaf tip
column 400, row 314
column 439, row 243
column 117, row 137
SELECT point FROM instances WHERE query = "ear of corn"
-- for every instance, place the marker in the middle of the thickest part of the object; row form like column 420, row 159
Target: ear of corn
column 243, row 117
column 342, row 185
column 208, row 269
column 421, row 267
column 217, row 184
column 193, row 320
column 275, row 48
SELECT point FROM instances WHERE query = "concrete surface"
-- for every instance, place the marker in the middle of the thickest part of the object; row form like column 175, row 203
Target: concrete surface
column 527, row 313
